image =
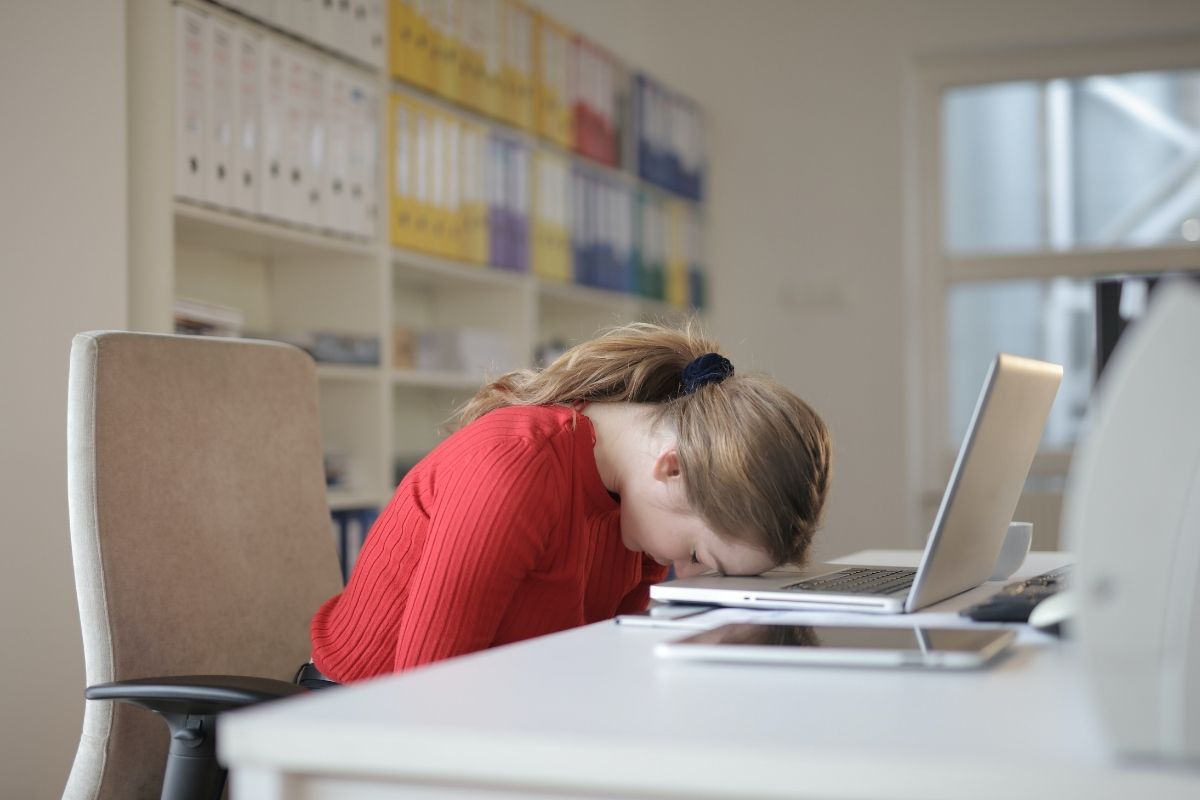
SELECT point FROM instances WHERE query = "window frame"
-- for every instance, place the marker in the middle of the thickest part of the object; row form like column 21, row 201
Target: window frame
column 931, row 271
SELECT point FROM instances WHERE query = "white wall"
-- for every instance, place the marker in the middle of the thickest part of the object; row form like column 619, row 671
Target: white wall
column 807, row 108
column 806, row 236
column 62, row 269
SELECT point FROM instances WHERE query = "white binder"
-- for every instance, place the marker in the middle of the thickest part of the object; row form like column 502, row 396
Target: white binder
column 191, row 48
column 272, row 100
column 337, row 161
column 218, row 185
column 295, row 137
column 367, row 107
column 315, row 142
column 327, row 25
column 246, row 127
column 371, row 33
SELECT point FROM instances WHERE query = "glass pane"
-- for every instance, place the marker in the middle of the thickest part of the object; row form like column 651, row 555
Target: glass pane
column 1101, row 161
column 992, row 167
column 1051, row 320
column 1136, row 146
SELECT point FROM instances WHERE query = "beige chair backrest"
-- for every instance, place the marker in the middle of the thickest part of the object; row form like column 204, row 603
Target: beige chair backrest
column 200, row 530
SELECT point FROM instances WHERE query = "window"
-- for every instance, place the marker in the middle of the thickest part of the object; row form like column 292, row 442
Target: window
column 1036, row 175
column 1036, row 168
column 1101, row 161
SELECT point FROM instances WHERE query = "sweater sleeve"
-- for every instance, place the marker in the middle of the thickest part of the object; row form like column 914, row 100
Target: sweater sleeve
column 489, row 525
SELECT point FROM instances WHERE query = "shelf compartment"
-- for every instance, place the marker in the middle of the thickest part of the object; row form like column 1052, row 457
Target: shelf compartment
column 415, row 266
column 342, row 499
column 201, row 226
column 348, row 372
column 437, row 379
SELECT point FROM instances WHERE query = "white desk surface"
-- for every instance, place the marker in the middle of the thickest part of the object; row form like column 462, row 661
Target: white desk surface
column 591, row 712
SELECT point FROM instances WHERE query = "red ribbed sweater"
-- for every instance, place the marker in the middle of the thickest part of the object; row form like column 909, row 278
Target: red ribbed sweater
column 503, row 532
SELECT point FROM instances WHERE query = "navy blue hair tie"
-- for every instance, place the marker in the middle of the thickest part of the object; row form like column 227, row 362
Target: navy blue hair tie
column 708, row 368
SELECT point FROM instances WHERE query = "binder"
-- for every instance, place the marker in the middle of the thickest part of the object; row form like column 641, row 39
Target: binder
column 623, row 239
column 438, row 218
column 423, row 206
column 372, row 36
column 521, row 206
column 499, row 227
column 295, row 137
column 191, row 56
column 651, row 248
column 474, row 172
column 516, row 69
column 338, row 208
column 301, row 17
column 579, row 226
column 314, row 142
column 676, row 255
column 273, row 106
column 474, row 192
column 668, row 139
column 553, row 108
column 403, row 59
column 401, row 177
column 247, row 137
column 583, row 71
column 444, row 24
column 219, row 111
column 471, row 47
column 551, row 254
column 364, row 157
column 327, row 25
column 696, row 277
column 492, row 22
column 455, row 242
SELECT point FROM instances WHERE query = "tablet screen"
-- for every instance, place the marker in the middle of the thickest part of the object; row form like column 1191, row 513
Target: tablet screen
column 848, row 637
column 842, row 645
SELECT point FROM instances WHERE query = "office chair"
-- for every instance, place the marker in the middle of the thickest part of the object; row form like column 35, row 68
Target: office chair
column 201, row 541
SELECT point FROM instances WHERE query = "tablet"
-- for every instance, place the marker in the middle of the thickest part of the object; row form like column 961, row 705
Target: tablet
column 907, row 646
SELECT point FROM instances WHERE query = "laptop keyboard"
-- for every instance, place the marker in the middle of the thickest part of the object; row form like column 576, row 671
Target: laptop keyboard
column 858, row 580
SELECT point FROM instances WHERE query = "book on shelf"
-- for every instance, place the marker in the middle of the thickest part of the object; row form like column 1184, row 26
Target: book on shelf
column 474, row 351
column 335, row 347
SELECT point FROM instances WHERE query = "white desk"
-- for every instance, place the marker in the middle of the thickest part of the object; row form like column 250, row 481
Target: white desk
column 591, row 713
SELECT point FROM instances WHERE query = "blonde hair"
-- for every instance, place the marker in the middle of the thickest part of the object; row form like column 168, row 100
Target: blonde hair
column 755, row 458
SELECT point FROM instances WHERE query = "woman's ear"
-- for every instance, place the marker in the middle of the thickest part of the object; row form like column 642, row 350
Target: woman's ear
column 666, row 466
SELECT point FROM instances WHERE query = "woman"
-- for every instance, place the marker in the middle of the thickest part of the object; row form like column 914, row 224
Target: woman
column 565, row 492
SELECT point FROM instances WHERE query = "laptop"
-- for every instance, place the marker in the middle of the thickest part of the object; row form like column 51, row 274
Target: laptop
column 967, row 533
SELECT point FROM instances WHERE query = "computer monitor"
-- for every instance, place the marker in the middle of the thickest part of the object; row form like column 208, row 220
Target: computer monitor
column 1120, row 301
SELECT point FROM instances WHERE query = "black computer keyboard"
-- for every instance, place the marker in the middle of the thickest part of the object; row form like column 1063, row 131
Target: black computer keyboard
column 857, row 580
column 1015, row 601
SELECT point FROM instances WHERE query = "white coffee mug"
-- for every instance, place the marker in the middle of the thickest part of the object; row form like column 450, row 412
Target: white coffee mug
column 1013, row 551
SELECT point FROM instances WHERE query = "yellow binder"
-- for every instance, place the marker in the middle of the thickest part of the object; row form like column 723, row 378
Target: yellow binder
column 553, row 108
column 409, row 57
column 550, row 225
column 473, row 150
column 401, row 177
column 677, row 266
column 516, row 67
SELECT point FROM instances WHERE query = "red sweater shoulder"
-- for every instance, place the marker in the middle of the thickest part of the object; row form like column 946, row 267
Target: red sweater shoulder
column 497, row 535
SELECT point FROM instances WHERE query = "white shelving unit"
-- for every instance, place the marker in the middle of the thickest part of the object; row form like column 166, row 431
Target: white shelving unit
column 287, row 278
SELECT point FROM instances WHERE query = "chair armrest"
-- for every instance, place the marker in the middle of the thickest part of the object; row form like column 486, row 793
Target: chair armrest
column 194, row 694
